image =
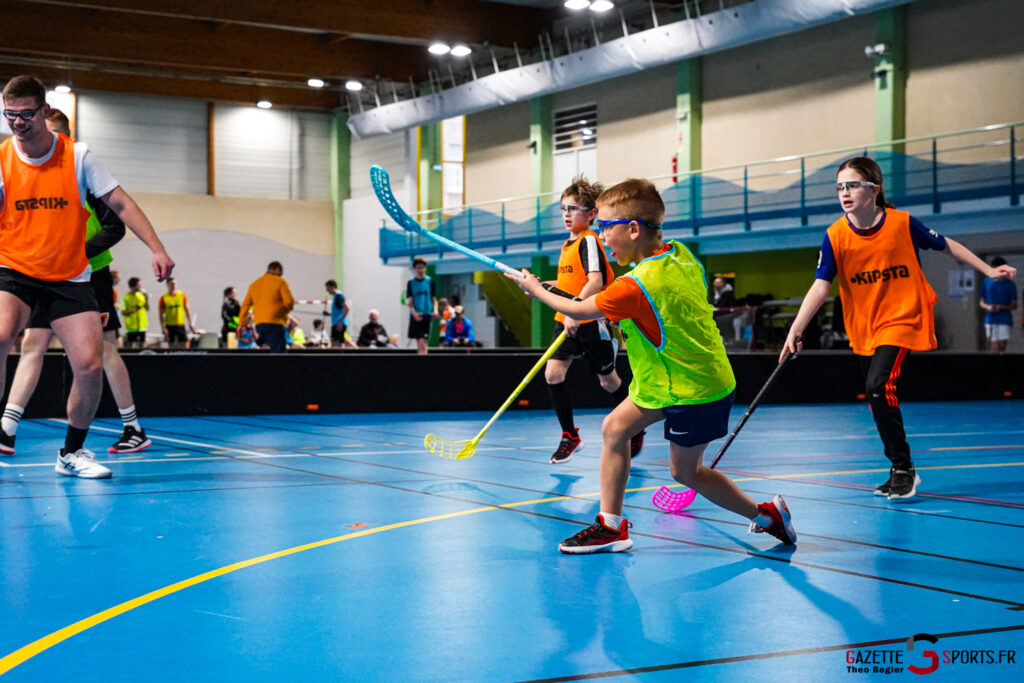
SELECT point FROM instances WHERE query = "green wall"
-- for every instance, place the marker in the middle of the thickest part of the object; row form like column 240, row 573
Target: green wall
column 782, row 273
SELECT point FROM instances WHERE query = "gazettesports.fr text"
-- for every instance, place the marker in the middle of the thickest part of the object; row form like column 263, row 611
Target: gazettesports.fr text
column 882, row 661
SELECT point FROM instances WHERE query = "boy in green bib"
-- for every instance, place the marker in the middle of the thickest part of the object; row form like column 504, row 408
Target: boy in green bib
column 680, row 371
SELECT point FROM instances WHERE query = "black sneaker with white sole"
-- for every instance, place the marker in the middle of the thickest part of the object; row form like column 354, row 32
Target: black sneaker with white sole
column 598, row 538
column 132, row 441
column 904, row 484
column 6, row 443
column 569, row 444
column 883, row 489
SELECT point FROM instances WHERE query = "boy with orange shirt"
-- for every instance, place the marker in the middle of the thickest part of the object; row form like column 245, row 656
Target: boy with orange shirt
column 680, row 371
column 583, row 270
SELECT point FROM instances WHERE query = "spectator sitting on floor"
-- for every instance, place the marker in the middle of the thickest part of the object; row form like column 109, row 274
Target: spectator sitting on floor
column 295, row 338
column 319, row 337
column 373, row 334
column 459, row 330
column 246, row 334
column 445, row 312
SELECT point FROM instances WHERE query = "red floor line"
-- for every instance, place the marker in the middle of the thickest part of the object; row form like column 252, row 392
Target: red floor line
column 943, row 496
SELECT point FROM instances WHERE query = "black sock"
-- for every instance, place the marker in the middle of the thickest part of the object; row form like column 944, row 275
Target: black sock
column 75, row 439
column 563, row 406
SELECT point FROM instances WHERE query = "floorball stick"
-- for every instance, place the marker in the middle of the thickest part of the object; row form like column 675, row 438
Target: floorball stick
column 669, row 501
column 458, row 450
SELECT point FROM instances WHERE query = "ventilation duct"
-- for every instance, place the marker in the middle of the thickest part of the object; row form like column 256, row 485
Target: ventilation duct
column 654, row 47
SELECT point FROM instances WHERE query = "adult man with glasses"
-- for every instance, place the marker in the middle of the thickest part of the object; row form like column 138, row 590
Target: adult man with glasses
column 44, row 179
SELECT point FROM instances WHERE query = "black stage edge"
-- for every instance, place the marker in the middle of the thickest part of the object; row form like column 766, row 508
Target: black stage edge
column 254, row 382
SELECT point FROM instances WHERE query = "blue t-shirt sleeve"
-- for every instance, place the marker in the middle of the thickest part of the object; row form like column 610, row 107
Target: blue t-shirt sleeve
column 826, row 261
column 924, row 237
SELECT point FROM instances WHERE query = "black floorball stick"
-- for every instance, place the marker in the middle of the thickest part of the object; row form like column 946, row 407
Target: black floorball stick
column 668, row 500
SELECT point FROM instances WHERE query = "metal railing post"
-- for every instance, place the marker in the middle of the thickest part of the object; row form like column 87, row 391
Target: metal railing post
column 746, row 212
column 1014, row 198
column 504, row 245
column 539, row 243
column 469, row 227
column 693, row 203
column 803, row 191
column 936, row 207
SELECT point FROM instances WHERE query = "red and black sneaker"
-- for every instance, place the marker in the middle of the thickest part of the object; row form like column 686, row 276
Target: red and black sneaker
column 636, row 444
column 568, row 444
column 598, row 538
column 6, row 443
column 782, row 522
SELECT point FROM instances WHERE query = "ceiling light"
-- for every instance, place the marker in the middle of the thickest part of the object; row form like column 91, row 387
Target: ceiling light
column 264, row 104
column 577, row 4
column 316, row 83
column 353, row 85
column 460, row 51
column 601, row 5
column 439, row 48
column 62, row 89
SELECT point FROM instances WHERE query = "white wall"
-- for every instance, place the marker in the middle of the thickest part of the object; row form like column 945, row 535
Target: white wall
column 366, row 282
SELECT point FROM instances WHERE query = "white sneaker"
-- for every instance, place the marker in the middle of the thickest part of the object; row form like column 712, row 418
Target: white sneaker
column 82, row 463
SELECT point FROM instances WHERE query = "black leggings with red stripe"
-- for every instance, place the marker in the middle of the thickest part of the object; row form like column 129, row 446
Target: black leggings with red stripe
column 883, row 374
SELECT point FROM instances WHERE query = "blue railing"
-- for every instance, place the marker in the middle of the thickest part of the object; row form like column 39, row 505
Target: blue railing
column 977, row 164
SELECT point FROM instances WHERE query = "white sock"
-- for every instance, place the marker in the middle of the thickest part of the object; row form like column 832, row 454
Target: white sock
column 11, row 418
column 611, row 521
column 762, row 520
column 129, row 417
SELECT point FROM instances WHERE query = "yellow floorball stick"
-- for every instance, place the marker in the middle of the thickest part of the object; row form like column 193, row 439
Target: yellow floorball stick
column 458, row 450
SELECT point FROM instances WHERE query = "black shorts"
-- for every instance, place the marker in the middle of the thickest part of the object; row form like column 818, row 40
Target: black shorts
column 600, row 353
column 54, row 299
column 338, row 332
column 135, row 338
column 102, row 283
column 420, row 329
column 176, row 333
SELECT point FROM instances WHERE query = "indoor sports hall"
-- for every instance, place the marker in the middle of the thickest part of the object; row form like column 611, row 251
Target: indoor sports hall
column 343, row 437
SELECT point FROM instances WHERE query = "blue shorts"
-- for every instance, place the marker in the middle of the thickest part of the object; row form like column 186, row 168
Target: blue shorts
column 690, row 425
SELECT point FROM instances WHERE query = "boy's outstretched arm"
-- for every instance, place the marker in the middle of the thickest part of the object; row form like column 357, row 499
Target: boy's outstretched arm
column 580, row 310
column 967, row 257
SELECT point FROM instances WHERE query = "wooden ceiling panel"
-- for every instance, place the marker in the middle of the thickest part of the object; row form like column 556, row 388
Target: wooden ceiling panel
column 79, row 35
column 237, row 51
column 415, row 20
column 301, row 98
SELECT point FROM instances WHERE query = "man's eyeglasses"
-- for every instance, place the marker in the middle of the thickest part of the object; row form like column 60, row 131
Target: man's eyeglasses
column 845, row 185
column 618, row 221
column 24, row 114
column 569, row 208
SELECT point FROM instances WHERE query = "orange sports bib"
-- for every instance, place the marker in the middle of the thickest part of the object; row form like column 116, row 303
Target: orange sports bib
column 886, row 299
column 42, row 223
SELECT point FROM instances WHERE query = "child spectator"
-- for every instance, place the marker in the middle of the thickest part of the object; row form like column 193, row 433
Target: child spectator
column 421, row 298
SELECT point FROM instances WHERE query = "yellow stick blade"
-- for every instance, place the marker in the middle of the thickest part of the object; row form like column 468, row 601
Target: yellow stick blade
column 453, row 450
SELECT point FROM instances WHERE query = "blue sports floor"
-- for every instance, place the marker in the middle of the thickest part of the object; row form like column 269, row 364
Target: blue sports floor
column 333, row 547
